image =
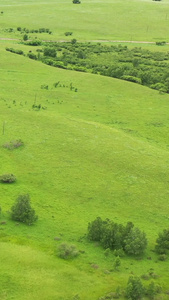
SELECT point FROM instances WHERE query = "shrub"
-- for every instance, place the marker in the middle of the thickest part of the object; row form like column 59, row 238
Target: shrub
column 67, row 251
column 119, row 252
column 73, row 41
column 22, row 211
column 20, row 52
column 7, row 178
column 13, row 144
column 162, row 257
column 25, row 37
column 131, row 78
column 107, row 252
column 33, row 43
column 32, row 56
column 68, row 33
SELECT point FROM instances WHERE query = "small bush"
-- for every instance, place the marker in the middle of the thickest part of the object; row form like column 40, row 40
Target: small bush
column 162, row 257
column 119, row 252
column 32, row 56
column 67, row 251
column 107, row 252
column 7, row 178
column 68, row 33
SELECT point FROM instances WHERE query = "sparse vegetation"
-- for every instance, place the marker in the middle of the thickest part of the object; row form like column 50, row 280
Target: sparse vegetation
column 94, row 146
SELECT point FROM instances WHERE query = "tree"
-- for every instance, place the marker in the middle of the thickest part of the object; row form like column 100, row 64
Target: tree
column 95, row 229
column 135, row 289
column 162, row 242
column 135, row 242
column 22, row 211
column 76, row 1
column 49, row 51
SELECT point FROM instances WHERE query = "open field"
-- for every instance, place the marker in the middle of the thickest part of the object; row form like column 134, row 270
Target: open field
column 100, row 151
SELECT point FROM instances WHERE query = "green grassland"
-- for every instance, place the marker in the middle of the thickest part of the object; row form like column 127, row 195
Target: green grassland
column 135, row 20
column 100, row 151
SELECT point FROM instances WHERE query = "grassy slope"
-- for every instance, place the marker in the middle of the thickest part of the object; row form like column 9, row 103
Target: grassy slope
column 146, row 20
column 100, row 151
column 108, row 144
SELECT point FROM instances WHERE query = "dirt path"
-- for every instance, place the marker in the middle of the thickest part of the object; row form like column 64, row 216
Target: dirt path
column 92, row 41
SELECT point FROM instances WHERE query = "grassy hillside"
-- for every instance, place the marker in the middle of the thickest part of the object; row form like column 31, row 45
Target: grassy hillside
column 99, row 151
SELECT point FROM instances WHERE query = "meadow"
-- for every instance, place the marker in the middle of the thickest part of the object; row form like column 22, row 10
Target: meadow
column 100, row 151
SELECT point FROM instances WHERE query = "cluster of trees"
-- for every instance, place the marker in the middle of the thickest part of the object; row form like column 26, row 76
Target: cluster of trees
column 128, row 239
column 125, row 239
column 136, row 65
column 136, row 290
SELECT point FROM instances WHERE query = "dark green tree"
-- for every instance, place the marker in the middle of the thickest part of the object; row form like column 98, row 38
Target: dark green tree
column 76, row 1
column 112, row 235
column 135, row 289
column 22, row 211
column 162, row 242
column 49, row 51
column 136, row 242
column 95, row 229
